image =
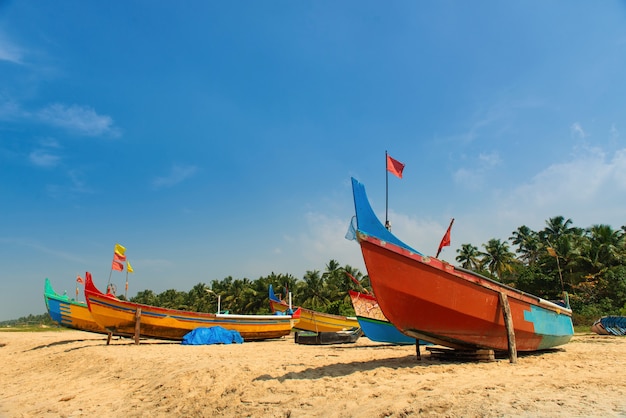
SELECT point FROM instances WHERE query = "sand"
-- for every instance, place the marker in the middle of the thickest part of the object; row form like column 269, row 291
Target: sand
column 73, row 374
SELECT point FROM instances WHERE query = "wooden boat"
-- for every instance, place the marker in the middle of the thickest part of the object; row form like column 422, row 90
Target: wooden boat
column 312, row 320
column 373, row 322
column 327, row 338
column 429, row 299
column 120, row 316
column 69, row 312
column 610, row 325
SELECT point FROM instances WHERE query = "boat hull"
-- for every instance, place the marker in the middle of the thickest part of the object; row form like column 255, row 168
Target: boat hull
column 120, row 316
column 432, row 300
column 314, row 321
column 70, row 313
column 373, row 322
column 327, row 338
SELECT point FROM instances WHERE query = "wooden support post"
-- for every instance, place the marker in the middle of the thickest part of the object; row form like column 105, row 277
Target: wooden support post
column 417, row 349
column 137, row 324
column 508, row 322
column 109, row 334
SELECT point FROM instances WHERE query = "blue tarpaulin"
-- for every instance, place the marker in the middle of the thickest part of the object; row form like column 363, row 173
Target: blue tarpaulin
column 212, row 335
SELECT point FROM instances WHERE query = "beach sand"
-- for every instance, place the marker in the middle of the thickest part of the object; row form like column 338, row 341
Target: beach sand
column 73, row 374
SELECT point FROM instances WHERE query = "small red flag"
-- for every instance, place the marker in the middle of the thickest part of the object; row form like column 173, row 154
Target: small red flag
column 445, row 241
column 80, row 280
column 119, row 257
column 394, row 166
column 117, row 266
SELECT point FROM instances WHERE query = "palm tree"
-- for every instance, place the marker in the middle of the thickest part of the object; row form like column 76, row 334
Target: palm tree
column 468, row 257
column 527, row 242
column 497, row 258
column 312, row 292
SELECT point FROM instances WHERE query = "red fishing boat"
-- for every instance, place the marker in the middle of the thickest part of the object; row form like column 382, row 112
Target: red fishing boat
column 431, row 300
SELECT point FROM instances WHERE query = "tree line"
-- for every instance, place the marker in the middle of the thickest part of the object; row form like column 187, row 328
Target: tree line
column 586, row 263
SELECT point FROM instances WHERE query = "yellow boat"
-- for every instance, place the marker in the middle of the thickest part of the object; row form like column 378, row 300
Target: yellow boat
column 123, row 317
column 68, row 312
column 312, row 320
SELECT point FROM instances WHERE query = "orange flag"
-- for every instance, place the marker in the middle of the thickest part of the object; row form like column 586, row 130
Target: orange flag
column 394, row 166
column 117, row 266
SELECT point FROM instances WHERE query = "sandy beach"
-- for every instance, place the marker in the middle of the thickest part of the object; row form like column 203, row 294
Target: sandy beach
column 73, row 373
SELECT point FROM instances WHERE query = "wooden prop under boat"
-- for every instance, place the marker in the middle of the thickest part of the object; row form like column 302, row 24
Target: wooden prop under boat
column 434, row 301
column 120, row 316
column 327, row 338
column 373, row 322
column 69, row 312
column 312, row 320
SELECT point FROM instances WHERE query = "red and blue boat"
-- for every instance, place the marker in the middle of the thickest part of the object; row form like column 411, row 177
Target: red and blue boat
column 373, row 322
column 432, row 300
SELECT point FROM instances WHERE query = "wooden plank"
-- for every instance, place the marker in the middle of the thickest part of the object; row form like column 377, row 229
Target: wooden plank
column 137, row 324
column 510, row 332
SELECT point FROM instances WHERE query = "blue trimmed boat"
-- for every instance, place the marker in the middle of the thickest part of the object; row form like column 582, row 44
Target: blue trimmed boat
column 431, row 300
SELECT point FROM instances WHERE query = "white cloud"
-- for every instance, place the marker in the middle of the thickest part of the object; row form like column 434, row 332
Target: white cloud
column 589, row 189
column 577, row 130
column 44, row 158
column 10, row 52
column 177, row 174
column 474, row 178
column 79, row 119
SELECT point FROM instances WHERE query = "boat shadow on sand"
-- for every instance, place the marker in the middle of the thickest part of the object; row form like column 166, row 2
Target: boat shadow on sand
column 405, row 362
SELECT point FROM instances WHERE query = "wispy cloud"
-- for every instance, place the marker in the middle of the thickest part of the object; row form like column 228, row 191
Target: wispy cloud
column 590, row 188
column 177, row 174
column 80, row 119
column 45, row 155
column 9, row 51
column 577, row 130
column 473, row 178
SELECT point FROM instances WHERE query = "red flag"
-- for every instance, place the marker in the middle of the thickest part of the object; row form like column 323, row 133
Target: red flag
column 445, row 241
column 119, row 257
column 394, row 166
column 117, row 266
column 80, row 280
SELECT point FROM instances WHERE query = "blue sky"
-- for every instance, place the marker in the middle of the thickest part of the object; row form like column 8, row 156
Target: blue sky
column 217, row 139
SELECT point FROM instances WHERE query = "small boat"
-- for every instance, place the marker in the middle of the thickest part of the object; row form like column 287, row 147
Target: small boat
column 610, row 325
column 312, row 320
column 69, row 312
column 119, row 316
column 327, row 338
column 373, row 322
column 431, row 300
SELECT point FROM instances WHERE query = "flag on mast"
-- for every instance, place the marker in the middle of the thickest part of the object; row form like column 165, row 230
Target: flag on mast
column 116, row 265
column 129, row 268
column 120, row 250
column 394, row 167
column 445, row 241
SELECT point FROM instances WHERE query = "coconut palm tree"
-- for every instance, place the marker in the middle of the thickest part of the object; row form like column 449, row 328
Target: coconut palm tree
column 469, row 257
column 497, row 258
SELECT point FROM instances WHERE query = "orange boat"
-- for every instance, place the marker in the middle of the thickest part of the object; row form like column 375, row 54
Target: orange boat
column 312, row 320
column 121, row 317
column 429, row 299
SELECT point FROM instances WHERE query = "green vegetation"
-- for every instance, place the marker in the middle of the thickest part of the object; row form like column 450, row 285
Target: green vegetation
column 588, row 264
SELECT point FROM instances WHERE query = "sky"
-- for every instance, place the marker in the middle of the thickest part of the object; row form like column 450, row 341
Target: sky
column 217, row 139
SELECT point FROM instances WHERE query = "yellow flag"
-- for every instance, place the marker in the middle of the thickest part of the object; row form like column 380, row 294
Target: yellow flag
column 129, row 268
column 119, row 249
column 551, row 252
